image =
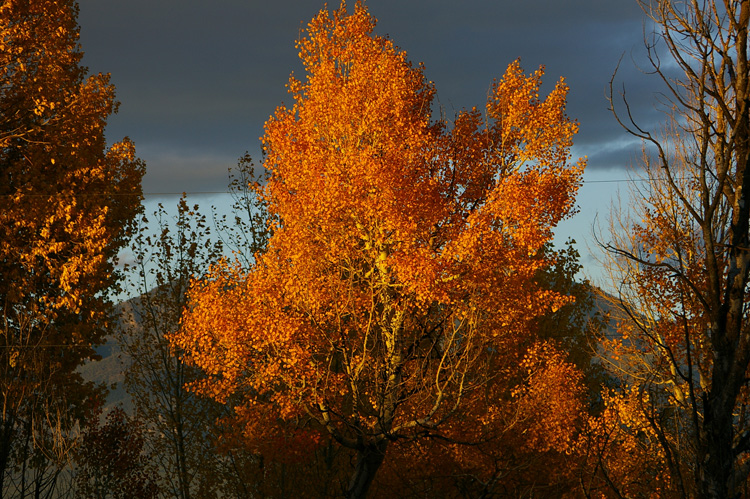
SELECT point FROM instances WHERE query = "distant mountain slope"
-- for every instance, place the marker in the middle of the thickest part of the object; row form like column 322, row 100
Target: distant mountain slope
column 110, row 370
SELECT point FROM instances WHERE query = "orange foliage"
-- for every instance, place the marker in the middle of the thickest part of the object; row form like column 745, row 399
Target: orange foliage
column 68, row 204
column 623, row 449
column 64, row 217
column 397, row 291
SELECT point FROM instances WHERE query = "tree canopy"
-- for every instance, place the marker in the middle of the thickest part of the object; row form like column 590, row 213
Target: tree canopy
column 397, row 295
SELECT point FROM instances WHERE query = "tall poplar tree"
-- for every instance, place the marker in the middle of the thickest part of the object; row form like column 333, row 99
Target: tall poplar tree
column 68, row 205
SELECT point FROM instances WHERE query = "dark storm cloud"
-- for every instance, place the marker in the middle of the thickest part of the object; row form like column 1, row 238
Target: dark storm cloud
column 197, row 79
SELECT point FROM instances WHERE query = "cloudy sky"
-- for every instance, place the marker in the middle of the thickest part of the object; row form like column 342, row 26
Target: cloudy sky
column 197, row 79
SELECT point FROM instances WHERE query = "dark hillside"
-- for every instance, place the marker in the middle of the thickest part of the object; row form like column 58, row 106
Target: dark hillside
column 110, row 370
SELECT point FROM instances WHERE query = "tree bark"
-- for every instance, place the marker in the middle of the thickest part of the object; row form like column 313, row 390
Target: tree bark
column 369, row 460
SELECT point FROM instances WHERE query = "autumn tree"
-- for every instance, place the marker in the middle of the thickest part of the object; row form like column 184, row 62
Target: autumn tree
column 682, row 259
column 396, row 299
column 68, row 206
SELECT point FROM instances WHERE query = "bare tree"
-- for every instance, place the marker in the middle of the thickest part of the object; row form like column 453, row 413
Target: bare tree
column 170, row 252
column 683, row 257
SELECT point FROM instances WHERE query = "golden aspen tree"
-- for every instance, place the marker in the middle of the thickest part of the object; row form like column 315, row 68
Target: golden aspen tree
column 68, row 207
column 682, row 261
column 396, row 297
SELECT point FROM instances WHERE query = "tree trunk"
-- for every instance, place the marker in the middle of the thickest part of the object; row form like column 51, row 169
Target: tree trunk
column 716, row 466
column 369, row 460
